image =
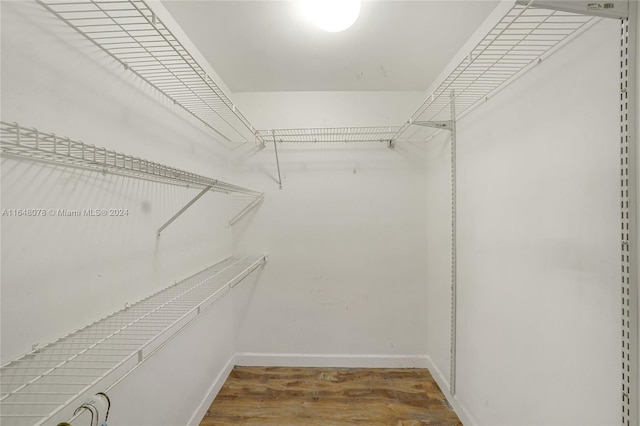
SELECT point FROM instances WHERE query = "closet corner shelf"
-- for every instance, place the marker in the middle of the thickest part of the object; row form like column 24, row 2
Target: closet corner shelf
column 331, row 134
column 522, row 37
column 46, row 385
column 131, row 32
column 519, row 40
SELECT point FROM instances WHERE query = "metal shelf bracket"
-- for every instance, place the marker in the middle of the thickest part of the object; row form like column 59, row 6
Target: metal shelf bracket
column 246, row 210
column 446, row 125
column 275, row 147
column 629, row 216
column 454, row 249
column 182, row 210
column 607, row 9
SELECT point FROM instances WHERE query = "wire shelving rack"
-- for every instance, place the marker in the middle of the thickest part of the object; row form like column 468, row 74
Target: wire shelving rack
column 47, row 384
column 519, row 40
column 131, row 33
column 32, row 144
column 331, row 134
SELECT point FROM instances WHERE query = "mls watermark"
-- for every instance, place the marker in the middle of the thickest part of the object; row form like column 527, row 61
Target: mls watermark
column 99, row 212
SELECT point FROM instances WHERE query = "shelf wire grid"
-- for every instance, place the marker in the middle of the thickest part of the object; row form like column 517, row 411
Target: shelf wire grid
column 519, row 40
column 331, row 134
column 32, row 144
column 130, row 32
column 36, row 386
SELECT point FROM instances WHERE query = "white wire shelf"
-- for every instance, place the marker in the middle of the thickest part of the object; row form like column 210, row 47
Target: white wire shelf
column 331, row 134
column 32, row 144
column 46, row 385
column 521, row 37
column 131, row 33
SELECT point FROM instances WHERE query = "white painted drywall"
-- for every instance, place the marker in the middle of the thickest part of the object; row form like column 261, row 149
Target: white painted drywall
column 438, row 254
column 286, row 110
column 61, row 273
column 538, row 245
column 345, row 235
column 354, row 238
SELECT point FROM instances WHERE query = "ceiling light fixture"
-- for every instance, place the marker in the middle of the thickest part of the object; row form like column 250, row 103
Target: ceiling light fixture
column 331, row 15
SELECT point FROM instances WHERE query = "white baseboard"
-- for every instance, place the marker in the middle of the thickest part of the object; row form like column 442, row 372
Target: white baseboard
column 212, row 393
column 457, row 405
column 330, row 360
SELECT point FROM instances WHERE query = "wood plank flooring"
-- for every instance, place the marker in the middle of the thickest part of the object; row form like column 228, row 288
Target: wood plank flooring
column 330, row 396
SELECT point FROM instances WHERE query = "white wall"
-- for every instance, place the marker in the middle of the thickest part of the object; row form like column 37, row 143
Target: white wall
column 60, row 273
column 538, row 245
column 354, row 238
column 285, row 110
column 438, row 255
column 345, row 280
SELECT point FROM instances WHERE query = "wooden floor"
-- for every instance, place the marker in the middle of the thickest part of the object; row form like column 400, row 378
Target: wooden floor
column 329, row 396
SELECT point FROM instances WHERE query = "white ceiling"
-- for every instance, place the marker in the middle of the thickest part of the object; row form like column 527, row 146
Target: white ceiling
column 263, row 45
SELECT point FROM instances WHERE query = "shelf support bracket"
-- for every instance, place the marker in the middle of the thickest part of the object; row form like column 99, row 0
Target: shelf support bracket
column 618, row 9
column 246, row 210
column 446, row 125
column 275, row 146
column 628, row 110
column 454, row 250
column 182, row 210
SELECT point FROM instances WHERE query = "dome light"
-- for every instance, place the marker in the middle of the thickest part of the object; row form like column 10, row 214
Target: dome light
column 331, row 15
